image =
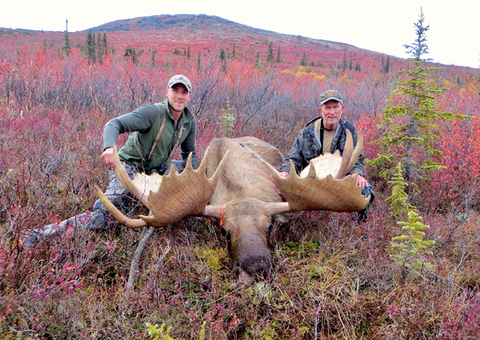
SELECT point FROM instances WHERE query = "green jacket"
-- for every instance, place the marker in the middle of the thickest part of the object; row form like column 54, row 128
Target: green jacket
column 145, row 122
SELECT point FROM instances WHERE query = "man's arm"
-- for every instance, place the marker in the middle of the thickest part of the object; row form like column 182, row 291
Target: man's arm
column 142, row 119
column 295, row 155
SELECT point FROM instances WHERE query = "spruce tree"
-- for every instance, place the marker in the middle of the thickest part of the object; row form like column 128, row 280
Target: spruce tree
column 303, row 62
column 344, row 60
column 104, row 44
column 199, row 63
column 130, row 54
column 223, row 54
column 270, row 53
column 68, row 46
column 409, row 248
column 90, row 47
column 152, row 59
column 258, row 62
column 100, row 51
column 409, row 128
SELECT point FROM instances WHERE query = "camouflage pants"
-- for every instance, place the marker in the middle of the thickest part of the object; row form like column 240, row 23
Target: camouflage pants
column 98, row 219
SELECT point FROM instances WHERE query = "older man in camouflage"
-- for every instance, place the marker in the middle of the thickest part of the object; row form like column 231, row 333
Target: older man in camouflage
column 327, row 133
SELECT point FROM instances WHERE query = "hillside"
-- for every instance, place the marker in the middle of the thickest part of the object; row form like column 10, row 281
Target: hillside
column 204, row 33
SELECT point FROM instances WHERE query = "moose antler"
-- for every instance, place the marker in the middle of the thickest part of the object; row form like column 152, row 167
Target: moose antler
column 315, row 189
column 334, row 164
column 177, row 196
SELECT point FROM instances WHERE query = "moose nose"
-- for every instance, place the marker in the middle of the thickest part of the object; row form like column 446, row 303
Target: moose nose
column 254, row 260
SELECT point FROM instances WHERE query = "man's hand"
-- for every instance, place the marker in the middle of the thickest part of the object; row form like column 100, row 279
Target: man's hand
column 283, row 174
column 107, row 158
column 361, row 182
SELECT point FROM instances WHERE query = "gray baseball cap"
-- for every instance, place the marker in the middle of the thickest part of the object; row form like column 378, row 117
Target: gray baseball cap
column 330, row 95
column 180, row 79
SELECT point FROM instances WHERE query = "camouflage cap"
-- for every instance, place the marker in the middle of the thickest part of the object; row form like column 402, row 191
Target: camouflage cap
column 330, row 95
column 180, row 79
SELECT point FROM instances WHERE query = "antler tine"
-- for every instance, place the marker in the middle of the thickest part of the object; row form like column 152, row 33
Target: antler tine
column 341, row 195
column 356, row 152
column 128, row 222
column 184, row 194
column 346, row 157
column 123, row 177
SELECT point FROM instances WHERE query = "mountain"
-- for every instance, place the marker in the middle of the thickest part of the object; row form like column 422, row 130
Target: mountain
column 204, row 33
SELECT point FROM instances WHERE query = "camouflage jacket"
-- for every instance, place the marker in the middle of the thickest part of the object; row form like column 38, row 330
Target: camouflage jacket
column 308, row 146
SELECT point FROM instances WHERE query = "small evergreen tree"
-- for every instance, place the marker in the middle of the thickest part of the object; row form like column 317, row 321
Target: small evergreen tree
column 104, row 44
column 409, row 128
column 270, row 53
column 344, row 60
column 222, row 55
column 386, row 65
column 278, row 60
column 410, row 247
column 258, row 62
column 100, row 51
column 153, row 61
column 90, row 47
column 399, row 198
column 199, row 63
column 303, row 62
column 130, row 54
column 167, row 62
column 67, row 48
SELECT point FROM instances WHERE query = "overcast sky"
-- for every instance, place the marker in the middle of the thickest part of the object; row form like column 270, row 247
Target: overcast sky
column 378, row 25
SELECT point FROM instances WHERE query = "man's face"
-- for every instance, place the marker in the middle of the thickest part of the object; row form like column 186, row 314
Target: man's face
column 178, row 97
column 331, row 112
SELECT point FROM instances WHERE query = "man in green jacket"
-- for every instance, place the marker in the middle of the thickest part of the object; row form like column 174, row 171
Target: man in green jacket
column 158, row 130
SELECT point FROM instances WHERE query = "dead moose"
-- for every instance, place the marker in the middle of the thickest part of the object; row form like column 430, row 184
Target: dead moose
column 238, row 184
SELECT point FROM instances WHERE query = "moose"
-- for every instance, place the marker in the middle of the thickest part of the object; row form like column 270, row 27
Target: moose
column 237, row 183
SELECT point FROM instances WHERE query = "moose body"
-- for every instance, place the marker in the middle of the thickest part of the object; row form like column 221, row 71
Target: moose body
column 237, row 183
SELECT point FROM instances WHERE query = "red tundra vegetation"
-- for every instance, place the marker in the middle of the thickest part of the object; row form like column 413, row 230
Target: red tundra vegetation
column 334, row 278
